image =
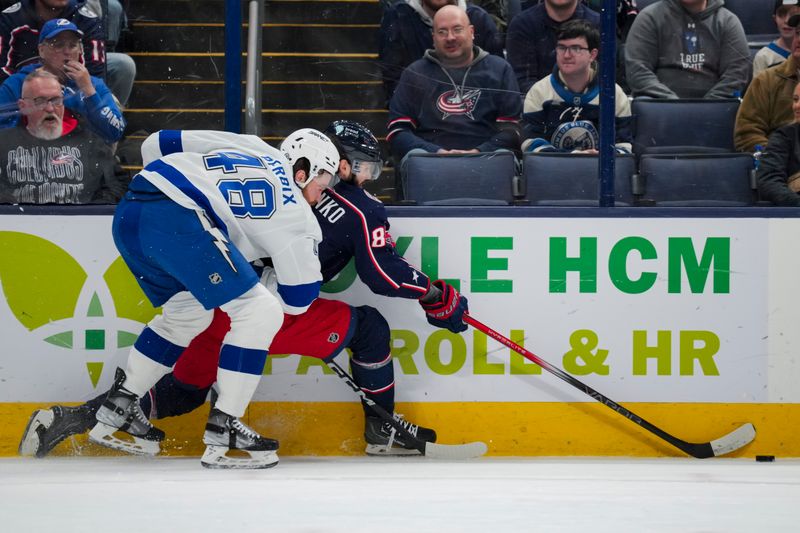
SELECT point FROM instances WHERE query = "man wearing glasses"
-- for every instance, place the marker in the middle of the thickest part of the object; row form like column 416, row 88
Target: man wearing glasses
column 60, row 49
column 457, row 99
column 406, row 29
column 562, row 112
column 52, row 159
column 531, row 37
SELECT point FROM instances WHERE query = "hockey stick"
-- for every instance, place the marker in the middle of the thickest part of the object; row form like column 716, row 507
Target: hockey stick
column 469, row 450
column 726, row 444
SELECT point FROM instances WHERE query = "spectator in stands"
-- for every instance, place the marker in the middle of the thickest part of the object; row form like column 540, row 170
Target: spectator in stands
column 626, row 13
column 531, row 38
column 21, row 23
column 778, row 50
column 48, row 159
column 120, row 68
column 498, row 10
column 687, row 49
column 562, row 112
column 767, row 104
column 85, row 95
column 406, row 33
column 778, row 173
column 457, row 98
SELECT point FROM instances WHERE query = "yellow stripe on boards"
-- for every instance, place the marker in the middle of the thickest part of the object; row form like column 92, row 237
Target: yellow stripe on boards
column 510, row 429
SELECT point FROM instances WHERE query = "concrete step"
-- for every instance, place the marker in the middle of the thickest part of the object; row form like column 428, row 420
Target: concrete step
column 274, row 94
column 205, row 37
column 295, row 11
column 283, row 66
column 276, row 123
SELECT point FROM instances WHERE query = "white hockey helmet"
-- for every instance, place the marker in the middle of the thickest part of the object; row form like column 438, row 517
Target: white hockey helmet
column 316, row 148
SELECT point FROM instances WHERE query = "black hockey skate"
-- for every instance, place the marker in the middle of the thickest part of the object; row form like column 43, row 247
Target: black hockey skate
column 121, row 412
column 48, row 427
column 383, row 439
column 224, row 433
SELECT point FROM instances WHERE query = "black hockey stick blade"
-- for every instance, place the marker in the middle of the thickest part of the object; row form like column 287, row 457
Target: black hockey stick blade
column 470, row 450
column 726, row 444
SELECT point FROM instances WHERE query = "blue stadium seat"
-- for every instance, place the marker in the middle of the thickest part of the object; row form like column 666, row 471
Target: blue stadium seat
column 683, row 125
column 697, row 180
column 755, row 15
column 641, row 4
column 469, row 179
column 573, row 179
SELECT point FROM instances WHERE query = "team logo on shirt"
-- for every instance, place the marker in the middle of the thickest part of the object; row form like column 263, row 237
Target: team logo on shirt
column 63, row 159
column 457, row 102
column 333, row 338
column 577, row 135
column 215, row 278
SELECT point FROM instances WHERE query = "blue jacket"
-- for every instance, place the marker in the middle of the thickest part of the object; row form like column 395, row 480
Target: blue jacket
column 19, row 36
column 405, row 35
column 434, row 107
column 99, row 110
column 531, row 42
column 355, row 226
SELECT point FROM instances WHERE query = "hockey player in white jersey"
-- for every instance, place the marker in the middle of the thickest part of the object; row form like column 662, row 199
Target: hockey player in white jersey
column 188, row 228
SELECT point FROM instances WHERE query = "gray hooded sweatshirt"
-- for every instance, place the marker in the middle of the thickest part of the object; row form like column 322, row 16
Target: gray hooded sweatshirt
column 671, row 53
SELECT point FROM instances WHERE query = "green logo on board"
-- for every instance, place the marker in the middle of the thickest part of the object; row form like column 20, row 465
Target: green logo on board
column 51, row 295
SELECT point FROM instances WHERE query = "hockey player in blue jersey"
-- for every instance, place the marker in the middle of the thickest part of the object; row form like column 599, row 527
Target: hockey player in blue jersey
column 188, row 229
column 354, row 225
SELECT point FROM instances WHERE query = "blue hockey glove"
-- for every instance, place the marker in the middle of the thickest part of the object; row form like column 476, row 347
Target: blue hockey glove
column 447, row 312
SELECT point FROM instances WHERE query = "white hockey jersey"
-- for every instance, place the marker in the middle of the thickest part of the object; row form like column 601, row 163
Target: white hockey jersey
column 247, row 189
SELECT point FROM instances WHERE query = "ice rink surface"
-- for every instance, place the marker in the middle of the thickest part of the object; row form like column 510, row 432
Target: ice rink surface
column 335, row 494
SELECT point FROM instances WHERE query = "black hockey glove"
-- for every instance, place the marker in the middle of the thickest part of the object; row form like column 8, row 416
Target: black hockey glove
column 448, row 309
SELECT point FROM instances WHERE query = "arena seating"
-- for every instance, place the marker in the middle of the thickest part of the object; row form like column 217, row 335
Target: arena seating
column 707, row 180
column 683, row 126
column 573, row 180
column 470, row 179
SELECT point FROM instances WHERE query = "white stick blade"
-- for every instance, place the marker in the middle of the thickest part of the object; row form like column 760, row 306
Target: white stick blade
column 470, row 450
column 742, row 436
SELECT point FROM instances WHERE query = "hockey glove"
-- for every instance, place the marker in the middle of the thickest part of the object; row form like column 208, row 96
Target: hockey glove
column 448, row 310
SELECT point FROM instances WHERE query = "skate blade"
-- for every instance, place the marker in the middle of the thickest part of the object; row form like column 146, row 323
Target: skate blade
column 31, row 442
column 103, row 435
column 215, row 457
column 383, row 450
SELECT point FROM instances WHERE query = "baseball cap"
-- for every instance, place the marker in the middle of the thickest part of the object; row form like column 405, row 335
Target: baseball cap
column 53, row 27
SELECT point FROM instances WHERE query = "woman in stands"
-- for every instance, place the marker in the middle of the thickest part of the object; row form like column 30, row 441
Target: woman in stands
column 778, row 173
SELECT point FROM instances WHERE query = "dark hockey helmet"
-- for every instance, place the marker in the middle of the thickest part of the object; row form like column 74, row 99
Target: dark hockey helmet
column 358, row 146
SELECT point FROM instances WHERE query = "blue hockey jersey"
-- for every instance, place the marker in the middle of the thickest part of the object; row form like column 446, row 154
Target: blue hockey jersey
column 354, row 225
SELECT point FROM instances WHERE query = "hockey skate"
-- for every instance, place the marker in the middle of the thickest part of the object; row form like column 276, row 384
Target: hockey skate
column 225, row 433
column 48, row 427
column 383, row 439
column 121, row 412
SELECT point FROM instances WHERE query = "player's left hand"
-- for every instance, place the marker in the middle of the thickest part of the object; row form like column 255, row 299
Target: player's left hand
column 448, row 311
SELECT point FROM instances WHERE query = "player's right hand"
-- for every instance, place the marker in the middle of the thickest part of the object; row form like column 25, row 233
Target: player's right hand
column 448, row 311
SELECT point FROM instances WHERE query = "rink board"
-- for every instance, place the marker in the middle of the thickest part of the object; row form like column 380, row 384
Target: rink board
column 685, row 317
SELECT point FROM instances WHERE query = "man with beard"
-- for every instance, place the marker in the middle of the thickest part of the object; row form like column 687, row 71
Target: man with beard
column 457, row 99
column 60, row 52
column 50, row 159
column 406, row 32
